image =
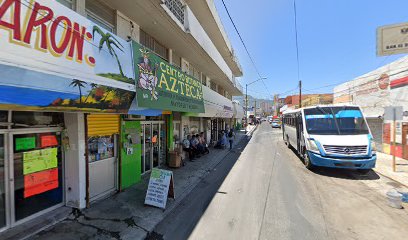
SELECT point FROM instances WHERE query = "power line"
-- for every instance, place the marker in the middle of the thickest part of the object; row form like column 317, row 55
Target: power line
column 246, row 49
column 297, row 44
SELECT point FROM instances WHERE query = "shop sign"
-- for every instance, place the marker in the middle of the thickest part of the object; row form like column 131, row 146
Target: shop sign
column 161, row 186
column 40, row 182
column 160, row 85
column 53, row 58
column 392, row 39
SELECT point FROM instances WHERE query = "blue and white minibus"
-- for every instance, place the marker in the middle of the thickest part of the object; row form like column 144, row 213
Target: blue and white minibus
column 330, row 136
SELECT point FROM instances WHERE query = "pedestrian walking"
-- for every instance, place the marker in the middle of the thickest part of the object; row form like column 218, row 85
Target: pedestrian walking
column 231, row 136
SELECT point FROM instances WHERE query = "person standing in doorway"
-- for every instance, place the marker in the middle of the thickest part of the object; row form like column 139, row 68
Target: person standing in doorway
column 231, row 136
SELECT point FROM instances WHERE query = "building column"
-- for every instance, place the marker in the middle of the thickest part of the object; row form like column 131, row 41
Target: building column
column 75, row 163
column 80, row 7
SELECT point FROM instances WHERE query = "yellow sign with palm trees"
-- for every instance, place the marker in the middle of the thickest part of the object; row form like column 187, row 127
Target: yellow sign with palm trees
column 86, row 69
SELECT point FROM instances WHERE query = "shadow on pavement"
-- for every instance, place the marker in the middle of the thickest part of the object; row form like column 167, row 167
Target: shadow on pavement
column 342, row 173
column 180, row 223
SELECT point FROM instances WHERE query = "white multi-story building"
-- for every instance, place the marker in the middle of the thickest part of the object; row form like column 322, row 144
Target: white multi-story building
column 85, row 80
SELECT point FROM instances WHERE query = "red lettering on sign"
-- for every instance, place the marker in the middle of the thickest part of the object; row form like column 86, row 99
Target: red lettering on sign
column 15, row 25
column 46, row 14
column 65, row 38
column 77, row 42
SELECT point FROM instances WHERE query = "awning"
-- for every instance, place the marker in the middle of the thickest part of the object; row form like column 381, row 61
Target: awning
column 238, row 110
column 215, row 105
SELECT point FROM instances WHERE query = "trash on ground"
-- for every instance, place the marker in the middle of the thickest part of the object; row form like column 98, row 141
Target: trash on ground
column 394, row 198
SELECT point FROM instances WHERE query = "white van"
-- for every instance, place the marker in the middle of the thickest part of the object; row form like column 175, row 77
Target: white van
column 330, row 136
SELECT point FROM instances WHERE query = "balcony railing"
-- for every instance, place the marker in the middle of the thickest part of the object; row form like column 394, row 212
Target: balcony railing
column 177, row 8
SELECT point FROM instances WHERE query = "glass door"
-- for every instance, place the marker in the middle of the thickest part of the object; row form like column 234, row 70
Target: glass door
column 155, row 144
column 147, row 146
column 153, row 140
column 37, row 181
column 2, row 183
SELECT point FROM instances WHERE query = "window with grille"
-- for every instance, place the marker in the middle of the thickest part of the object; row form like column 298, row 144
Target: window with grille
column 67, row 3
column 213, row 86
column 176, row 59
column 177, row 8
column 153, row 44
column 203, row 79
column 101, row 14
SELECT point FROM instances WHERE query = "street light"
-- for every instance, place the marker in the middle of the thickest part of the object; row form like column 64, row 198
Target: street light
column 246, row 100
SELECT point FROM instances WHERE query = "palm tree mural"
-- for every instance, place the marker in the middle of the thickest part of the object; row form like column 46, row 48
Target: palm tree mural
column 80, row 84
column 93, row 86
column 110, row 42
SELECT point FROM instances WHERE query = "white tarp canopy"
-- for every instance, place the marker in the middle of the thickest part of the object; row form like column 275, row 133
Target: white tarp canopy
column 216, row 106
column 238, row 110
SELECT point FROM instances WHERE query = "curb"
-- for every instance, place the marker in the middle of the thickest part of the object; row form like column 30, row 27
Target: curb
column 403, row 184
column 192, row 186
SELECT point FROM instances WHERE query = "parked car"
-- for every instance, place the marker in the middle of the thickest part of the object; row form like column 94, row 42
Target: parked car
column 276, row 123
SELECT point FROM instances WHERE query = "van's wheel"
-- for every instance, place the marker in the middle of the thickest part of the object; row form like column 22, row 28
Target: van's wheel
column 307, row 162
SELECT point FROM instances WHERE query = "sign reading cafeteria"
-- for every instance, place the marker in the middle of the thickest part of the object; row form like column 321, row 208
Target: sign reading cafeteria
column 160, row 85
column 53, row 58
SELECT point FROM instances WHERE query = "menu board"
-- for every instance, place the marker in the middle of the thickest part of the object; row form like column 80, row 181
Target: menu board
column 161, row 186
column 25, row 143
column 39, row 160
column 40, row 182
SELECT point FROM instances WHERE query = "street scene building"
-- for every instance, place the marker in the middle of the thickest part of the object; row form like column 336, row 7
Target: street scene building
column 373, row 92
column 94, row 94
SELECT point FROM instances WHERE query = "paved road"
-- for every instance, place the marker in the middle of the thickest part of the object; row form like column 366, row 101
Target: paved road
column 264, row 192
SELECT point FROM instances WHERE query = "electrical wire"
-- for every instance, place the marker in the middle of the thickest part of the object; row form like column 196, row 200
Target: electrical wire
column 245, row 47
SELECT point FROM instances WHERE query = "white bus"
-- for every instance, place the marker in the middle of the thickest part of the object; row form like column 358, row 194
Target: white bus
column 330, row 136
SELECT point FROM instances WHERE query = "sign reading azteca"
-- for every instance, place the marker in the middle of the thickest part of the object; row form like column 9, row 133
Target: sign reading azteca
column 160, row 85
column 51, row 51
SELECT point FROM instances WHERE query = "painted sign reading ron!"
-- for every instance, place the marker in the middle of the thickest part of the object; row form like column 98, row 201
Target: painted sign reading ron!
column 160, row 85
column 51, row 51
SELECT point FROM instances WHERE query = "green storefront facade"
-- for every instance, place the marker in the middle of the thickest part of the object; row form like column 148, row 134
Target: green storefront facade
column 163, row 94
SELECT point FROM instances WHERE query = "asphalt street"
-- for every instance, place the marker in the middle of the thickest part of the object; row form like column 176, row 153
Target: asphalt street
column 263, row 191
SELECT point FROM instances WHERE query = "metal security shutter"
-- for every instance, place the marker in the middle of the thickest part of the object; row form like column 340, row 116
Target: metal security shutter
column 103, row 124
column 376, row 128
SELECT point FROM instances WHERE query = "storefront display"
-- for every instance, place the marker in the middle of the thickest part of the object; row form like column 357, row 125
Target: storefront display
column 102, row 133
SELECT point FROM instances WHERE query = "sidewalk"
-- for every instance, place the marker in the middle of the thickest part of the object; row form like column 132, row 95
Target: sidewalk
column 124, row 215
column 384, row 167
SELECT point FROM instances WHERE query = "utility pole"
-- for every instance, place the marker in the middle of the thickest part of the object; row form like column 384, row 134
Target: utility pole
column 300, row 93
column 246, row 107
column 255, row 110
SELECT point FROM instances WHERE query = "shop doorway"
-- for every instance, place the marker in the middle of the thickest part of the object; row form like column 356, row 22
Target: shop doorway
column 153, row 139
column 405, row 140
column 31, row 174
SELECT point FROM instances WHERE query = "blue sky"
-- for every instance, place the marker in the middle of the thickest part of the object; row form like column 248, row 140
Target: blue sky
column 337, row 40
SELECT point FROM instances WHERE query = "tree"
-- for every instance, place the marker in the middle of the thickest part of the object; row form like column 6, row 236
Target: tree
column 80, row 84
column 110, row 42
column 93, row 86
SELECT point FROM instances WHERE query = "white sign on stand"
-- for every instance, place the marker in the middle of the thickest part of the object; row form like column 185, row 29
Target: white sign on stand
column 161, row 186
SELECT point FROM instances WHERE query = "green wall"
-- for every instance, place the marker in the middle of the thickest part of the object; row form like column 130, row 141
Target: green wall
column 170, row 131
column 131, row 163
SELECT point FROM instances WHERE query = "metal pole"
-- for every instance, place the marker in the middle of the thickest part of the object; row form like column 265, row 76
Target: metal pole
column 394, row 138
column 246, row 107
column 255, row 112
column 300, row 93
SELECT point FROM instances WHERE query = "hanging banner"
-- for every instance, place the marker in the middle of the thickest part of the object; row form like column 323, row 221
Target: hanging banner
column 39, row 160
column 161, row 186
column 40, row 182
column 53, row 58
column 160, row 85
